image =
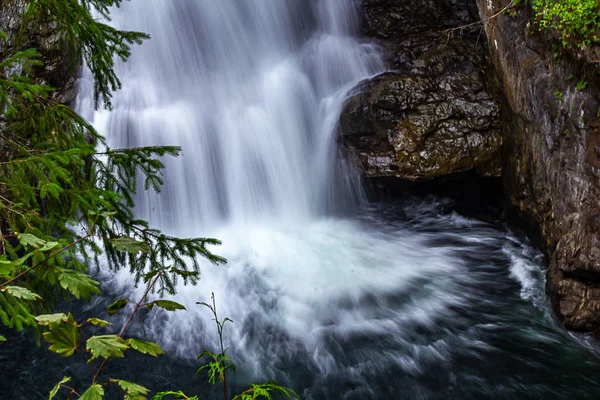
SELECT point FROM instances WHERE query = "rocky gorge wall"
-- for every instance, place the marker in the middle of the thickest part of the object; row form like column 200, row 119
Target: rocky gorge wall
column 551, row 156
column 494, row 97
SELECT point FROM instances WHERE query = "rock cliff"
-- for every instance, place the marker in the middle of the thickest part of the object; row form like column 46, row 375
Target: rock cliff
column 551, row 156
column 432, row 115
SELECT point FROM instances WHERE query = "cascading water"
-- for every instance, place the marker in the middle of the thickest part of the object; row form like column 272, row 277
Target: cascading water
column 408, row 301
column 251, row 91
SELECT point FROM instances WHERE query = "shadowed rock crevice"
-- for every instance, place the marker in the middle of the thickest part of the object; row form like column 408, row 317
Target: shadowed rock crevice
column 398, row 18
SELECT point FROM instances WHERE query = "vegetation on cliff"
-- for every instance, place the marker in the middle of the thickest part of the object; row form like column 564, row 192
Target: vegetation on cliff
column 577, row 21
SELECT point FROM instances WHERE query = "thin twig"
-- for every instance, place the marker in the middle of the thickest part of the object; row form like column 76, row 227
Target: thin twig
column 450, row 31
column 73, row 391
column 138, row 305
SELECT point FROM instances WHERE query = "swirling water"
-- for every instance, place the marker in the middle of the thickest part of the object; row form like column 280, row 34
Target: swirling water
column 332, row 296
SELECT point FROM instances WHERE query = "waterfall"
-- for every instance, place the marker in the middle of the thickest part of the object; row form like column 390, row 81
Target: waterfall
column 251, row 90
column 321, row 299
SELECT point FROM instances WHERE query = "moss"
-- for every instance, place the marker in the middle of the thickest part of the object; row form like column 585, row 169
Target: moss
column 577, row 21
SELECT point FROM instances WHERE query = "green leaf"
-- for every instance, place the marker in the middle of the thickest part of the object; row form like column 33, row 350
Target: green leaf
column 21, row 293
column 7, row 268
column 130, row 245
column 184, row 274
column 46, row 319
column 50, row 188
column 134, row 396
column 56, row 388
column 99, row 322
column 117, row 306
column 217, row 367
column 166, row 304
column 106, row 346
column 78, row 283
column 27, row 239
column 177, row 395
column 94, row 392
column 148, row 277
column 49, row 246
column 2, row 338
column 145, row 347
column 63, row 336
column 131, row 388
column 265, row 391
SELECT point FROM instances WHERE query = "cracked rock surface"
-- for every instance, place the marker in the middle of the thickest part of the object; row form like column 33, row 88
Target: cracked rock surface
column 432, row 116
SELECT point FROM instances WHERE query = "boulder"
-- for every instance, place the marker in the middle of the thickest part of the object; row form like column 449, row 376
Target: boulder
column 431, row 117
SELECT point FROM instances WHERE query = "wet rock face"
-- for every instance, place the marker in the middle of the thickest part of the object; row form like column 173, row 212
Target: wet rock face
column 551, row 157
column 431, row 117
column 397, row 18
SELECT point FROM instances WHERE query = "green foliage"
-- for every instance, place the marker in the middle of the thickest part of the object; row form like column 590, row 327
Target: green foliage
column 94, row 392
column 130, row 245
column 117, row 305
column 558, row 94
column 15, row 312
column 20, row 293
column 145, row 347
column 577, row 21
column 77, row 283
column 66, row 198
column 56, row 388
column 132, row 390
column 47, row 319
column 63, row 336
column 582, row 84
column 168, row 305
column 220, row 361
column 86, row 37
column 106, row 346
column 175, row 395
column 217, row 367
column 64, row 201
column 266, row 391
column 99, row 322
